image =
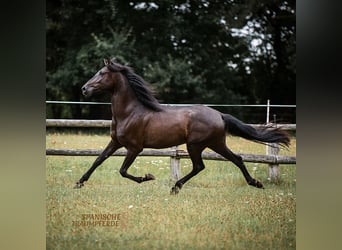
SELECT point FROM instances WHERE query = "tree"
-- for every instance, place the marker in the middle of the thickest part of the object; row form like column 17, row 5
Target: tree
column 73, row 51
column 270, row 26
column 191, row 51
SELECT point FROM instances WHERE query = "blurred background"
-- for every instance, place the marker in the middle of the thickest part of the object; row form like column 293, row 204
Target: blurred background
column 208, row 52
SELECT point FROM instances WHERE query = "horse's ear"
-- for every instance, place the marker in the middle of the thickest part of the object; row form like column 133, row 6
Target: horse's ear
column 107, row 61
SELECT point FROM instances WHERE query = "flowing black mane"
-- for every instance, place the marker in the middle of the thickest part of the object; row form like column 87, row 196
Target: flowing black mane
column 139, row 86
column 142, row 91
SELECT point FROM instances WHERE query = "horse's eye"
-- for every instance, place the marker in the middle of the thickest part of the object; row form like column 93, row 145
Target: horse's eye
column 101, row 73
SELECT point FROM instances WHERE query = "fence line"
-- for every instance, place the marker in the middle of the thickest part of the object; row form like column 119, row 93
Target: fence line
column 181, row 105
column 174, row 153
column 270, row 159
column 106, row 123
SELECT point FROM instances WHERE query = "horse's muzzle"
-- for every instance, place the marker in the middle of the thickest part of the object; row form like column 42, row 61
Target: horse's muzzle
column 84, row 91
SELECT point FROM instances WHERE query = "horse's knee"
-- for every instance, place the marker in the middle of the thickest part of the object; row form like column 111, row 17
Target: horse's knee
column 238, row 157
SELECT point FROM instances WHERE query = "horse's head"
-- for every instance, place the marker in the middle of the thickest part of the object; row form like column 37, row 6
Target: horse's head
column 103, row 80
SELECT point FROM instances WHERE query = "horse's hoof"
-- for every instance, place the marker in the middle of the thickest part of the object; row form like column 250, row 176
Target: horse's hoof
column 259, row 185
column 78, row 185
column 174, row 190
column 256, row 184
column 149, row 177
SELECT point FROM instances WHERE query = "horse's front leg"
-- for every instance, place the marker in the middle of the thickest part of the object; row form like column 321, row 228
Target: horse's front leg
column 130, row 157
column 108, row 151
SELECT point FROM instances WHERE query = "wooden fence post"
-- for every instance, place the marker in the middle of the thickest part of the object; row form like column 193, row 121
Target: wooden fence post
column 273, row 168
column 175, row 165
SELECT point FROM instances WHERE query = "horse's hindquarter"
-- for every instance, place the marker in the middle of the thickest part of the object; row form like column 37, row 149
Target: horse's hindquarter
column 175, row 126
column 206, row 125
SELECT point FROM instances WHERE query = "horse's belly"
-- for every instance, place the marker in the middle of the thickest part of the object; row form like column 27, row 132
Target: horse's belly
column 164, row 136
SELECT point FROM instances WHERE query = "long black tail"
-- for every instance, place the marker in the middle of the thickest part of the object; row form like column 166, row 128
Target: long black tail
column 263, row 135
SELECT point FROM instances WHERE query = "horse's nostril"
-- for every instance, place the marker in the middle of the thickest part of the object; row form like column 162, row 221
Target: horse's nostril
column 83, row 88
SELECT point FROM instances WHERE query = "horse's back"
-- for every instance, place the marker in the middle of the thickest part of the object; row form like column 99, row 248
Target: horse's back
column 196, row 124
column 178, row 125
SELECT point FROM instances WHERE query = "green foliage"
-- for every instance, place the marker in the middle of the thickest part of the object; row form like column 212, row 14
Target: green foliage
column 192, row 51
column 175, row 81
column 66, row 81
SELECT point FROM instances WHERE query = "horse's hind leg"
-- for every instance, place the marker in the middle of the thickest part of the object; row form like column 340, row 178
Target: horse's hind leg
column 223, row 150
column 108, row 151
column 195, row 152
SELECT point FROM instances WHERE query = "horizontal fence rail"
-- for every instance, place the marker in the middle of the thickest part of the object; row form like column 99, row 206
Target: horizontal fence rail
column 270, row 159
column 175, row 154
column 78, row 123
column 182, row 105
column 107, row 123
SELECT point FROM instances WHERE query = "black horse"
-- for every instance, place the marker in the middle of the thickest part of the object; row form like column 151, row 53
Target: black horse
column 139, row 121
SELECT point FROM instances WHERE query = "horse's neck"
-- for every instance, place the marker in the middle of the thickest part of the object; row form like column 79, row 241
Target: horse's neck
column 124, row 102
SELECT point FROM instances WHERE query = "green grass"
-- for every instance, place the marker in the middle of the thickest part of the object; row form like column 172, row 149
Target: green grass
column 214, row 210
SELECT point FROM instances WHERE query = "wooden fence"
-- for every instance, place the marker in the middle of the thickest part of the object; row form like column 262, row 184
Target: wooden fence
column 272, row 158
column 107, row 123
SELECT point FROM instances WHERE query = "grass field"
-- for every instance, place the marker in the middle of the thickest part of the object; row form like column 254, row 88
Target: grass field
column 214, row 210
